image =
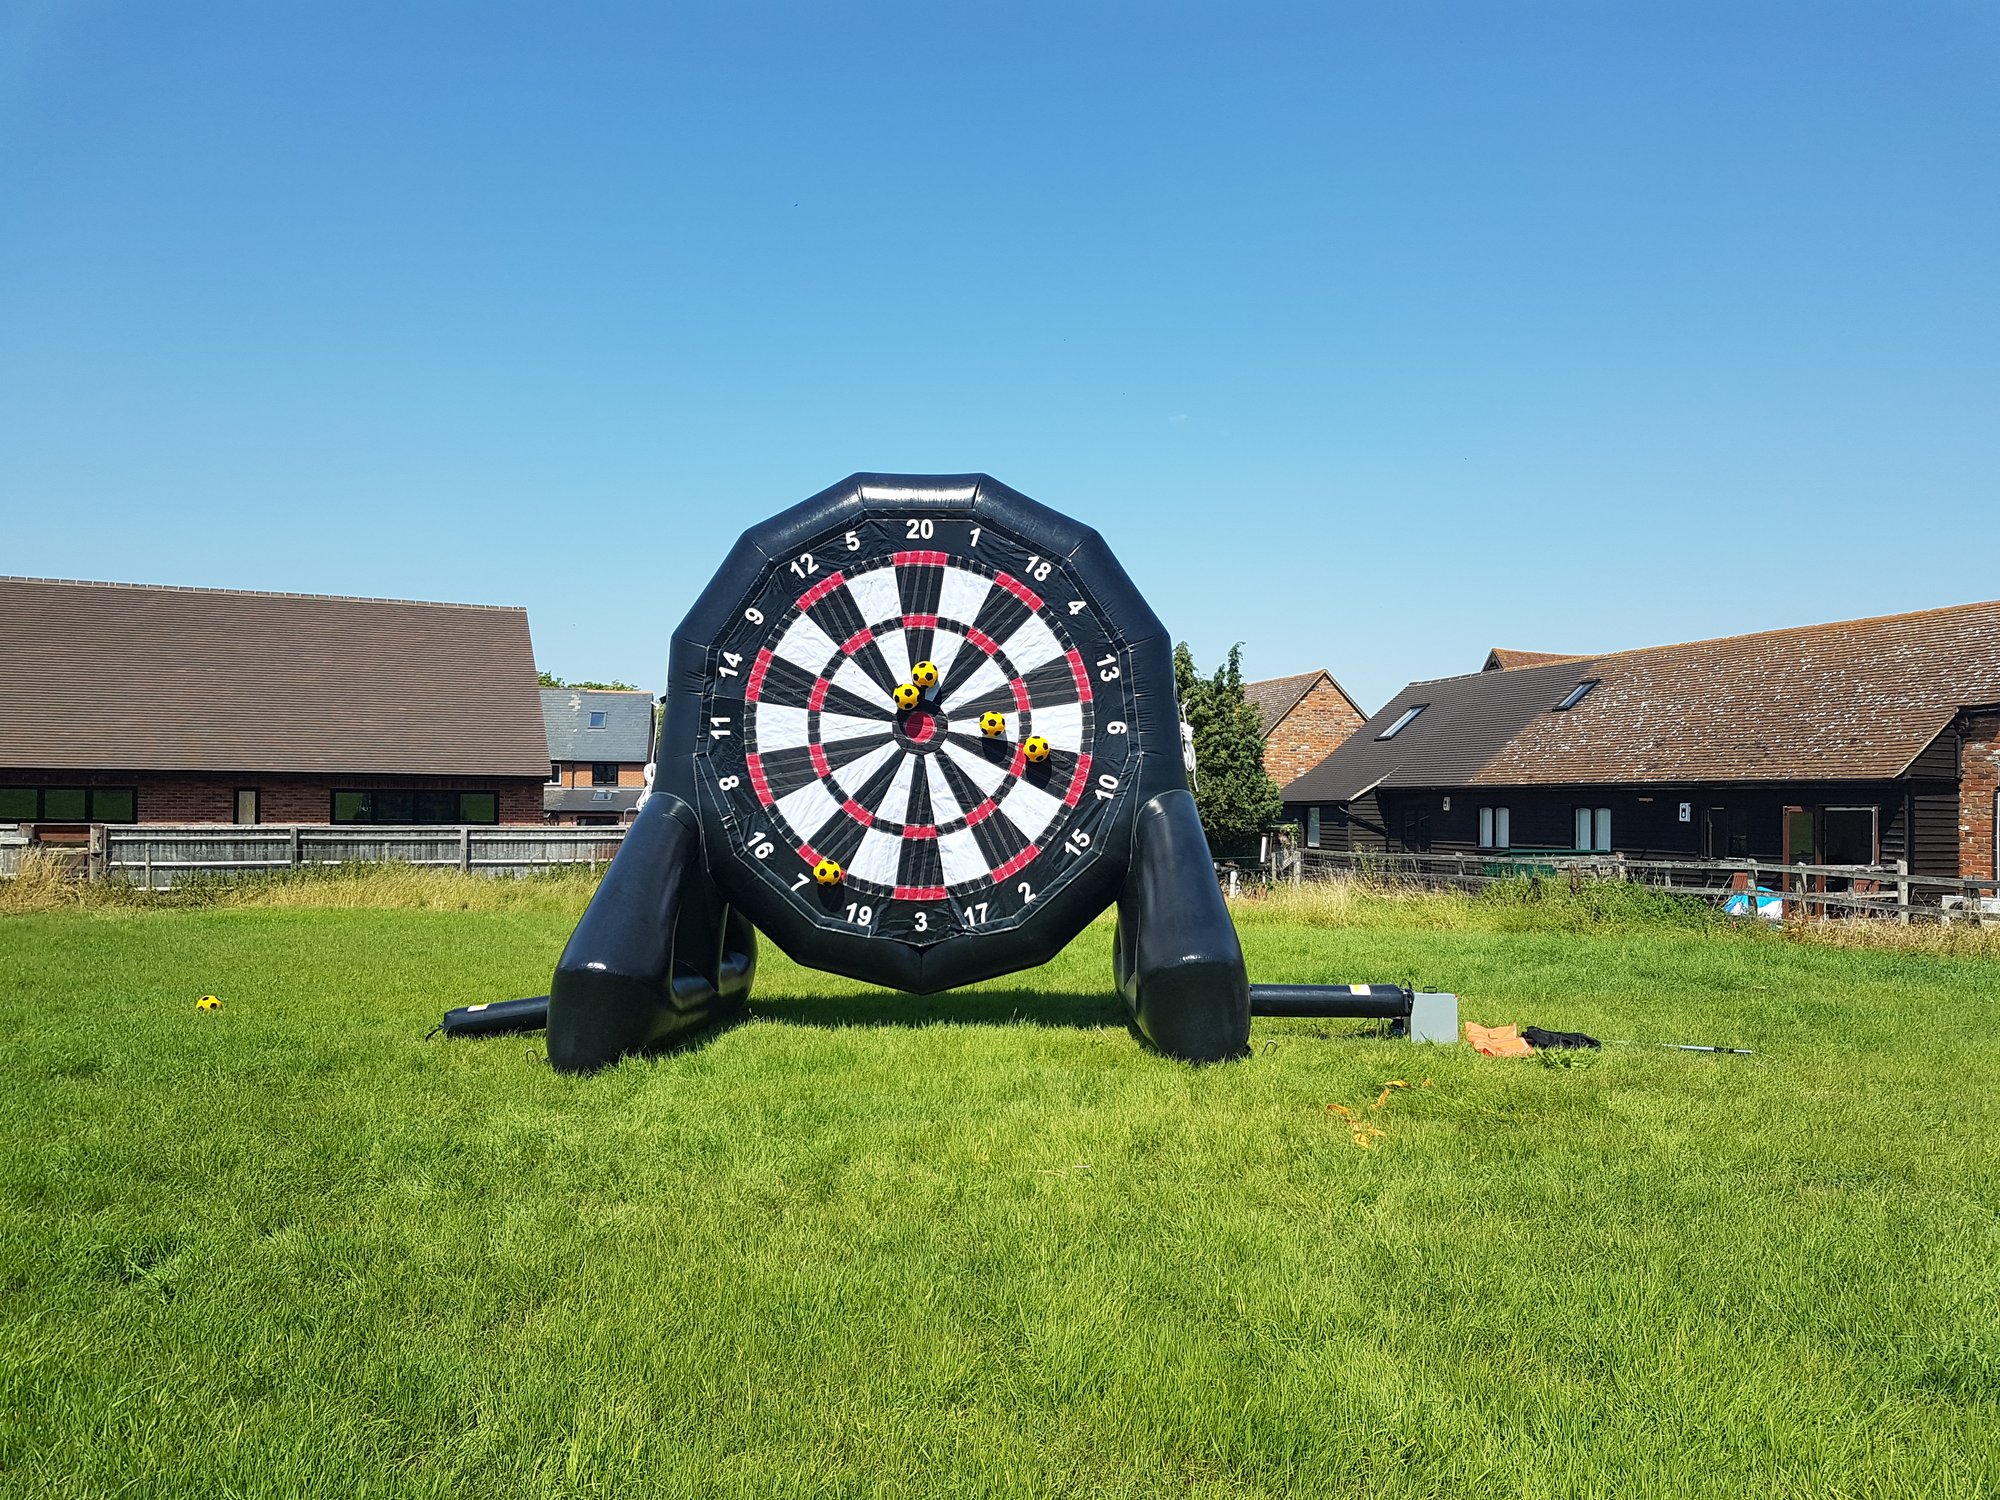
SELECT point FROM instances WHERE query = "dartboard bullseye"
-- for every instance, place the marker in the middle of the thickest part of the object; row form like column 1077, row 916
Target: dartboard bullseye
column 920, row 731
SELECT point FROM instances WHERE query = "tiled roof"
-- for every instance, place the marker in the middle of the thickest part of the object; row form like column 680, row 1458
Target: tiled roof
column 1500, row 659
column 627, row 734
column 1274, row 697
column 104, row 676
column 1853, row 701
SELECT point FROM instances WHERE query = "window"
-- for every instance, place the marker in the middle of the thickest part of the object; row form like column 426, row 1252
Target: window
column 65, row 804
column 246, row 805
column 1593, row 829
column 597, row 719
column 1417, row 832
column 68, row 804
column 409, row 805
column 1402, row 721
column 1495, row 828
column 1312, row 828
column 1726, row 833
column 114, row 805
column 1848, row 836
column 555, row 773
column 603, row 773
column 1576, row 694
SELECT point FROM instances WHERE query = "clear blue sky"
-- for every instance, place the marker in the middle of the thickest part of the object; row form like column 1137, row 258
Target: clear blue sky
column 1370, row 335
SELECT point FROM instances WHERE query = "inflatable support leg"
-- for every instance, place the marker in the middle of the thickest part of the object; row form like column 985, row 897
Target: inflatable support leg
column 657, row 954
column 1177, row 961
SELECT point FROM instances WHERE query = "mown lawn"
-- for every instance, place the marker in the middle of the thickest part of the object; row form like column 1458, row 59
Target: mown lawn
column 983, row 1244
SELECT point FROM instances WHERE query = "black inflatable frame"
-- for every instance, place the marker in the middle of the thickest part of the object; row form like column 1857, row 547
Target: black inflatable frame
column 668, row 943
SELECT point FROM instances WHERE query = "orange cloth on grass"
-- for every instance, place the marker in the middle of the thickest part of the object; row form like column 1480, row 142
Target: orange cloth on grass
column 1497, row 1041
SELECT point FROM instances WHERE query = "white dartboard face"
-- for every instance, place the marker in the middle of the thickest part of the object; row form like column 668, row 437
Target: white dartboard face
column 956, row 809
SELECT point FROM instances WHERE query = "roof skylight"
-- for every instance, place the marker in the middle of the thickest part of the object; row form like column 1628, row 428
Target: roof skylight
column 1576, row 694
column 1403, row 720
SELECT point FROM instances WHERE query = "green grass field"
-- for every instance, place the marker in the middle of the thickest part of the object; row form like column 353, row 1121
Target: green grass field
column 983, row 1244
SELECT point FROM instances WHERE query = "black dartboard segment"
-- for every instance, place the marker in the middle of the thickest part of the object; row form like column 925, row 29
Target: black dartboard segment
column 940, row 829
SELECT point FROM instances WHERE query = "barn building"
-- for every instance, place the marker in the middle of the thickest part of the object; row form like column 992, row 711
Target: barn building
column 1860, row 742
column 1302, row 719
column 130, row 703
column 599, row 742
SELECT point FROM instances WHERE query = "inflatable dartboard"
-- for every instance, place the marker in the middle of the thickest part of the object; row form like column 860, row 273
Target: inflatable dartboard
column 919, row 730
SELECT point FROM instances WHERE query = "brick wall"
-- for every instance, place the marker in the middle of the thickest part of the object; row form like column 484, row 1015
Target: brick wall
column 1979, row 780
column 1319, row 725
column 210, row 797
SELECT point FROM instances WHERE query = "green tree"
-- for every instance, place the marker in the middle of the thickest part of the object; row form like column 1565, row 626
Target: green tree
column 550, row 680
column 1236, row 795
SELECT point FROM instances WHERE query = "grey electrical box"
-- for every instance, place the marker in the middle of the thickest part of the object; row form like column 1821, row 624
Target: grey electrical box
column 1433, row 1017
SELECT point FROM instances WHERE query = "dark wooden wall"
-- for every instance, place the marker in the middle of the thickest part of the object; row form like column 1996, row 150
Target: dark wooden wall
column 1645, row 821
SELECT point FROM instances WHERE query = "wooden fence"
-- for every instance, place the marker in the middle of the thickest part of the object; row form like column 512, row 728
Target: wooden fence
column 157, row 857
column 1888, row 891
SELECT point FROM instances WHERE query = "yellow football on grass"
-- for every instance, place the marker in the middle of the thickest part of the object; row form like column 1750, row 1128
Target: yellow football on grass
column 827, row 872
column 1035, row 747
column 208, row 1002
column 992, row 724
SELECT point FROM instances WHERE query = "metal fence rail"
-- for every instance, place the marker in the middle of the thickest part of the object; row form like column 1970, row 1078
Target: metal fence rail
column 1889, row 891
column 158, row 857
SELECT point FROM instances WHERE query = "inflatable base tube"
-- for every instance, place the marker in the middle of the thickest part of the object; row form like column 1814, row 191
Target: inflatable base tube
column 498, row 1018
column 1359, row 1002
column 1177, row 960
column 657, row 954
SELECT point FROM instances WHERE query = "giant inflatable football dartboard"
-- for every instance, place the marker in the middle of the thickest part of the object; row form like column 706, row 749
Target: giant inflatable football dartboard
column 919, row 730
